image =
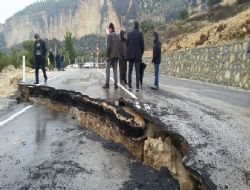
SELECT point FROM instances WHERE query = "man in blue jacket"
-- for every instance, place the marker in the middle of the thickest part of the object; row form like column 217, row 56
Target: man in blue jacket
column 40, row 52
column 135, row 52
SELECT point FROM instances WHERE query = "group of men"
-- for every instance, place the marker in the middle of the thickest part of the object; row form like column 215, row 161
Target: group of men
column 57, row 61
column 122, row 49
column 131, row 50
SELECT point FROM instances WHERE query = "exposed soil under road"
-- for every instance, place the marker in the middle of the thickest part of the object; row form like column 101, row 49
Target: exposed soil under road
column 53, row 151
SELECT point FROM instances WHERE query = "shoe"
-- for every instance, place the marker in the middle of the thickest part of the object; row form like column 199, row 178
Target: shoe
column 137, row 90
column 106, row 86
column 36, row 83
column 130, row 87
column 155, row 88
column 116, row 86
column 45, row 80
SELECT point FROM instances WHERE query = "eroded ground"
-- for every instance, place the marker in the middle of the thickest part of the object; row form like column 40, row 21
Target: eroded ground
column 44, row 149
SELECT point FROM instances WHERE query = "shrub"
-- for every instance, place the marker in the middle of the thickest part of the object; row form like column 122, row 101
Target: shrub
column 147, row 25
column 184, row 14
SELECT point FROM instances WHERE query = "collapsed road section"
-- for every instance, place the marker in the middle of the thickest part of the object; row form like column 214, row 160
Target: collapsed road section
column 129, row 123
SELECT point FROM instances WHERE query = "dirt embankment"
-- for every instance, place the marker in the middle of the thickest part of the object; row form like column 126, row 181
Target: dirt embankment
column 9, row 79
column 194, row 33
column 232, row 29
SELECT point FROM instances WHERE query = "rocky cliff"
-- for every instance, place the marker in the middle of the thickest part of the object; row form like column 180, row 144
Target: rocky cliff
column 52, row 18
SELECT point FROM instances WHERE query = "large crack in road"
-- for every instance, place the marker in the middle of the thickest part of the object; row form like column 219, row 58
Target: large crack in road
column 128, row 123
column 46, row 149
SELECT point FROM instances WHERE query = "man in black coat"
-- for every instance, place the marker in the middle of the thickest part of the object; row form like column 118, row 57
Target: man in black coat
column 40, row 52
column 156, row 59
column 135, row 52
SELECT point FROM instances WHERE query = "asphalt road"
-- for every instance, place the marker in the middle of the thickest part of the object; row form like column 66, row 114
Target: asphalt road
column 213, row 119
column 44, row 149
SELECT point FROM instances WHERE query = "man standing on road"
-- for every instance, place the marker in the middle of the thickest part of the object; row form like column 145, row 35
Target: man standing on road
column 58, row 61
column 40, row 52
column 122, row 58
column 51, row 60
column 62, row 62
column 113, row 45
column 156, row 59
column 135, row 52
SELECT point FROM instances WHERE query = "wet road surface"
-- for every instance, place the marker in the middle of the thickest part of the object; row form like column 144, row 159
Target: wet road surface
column 44, row 149
column 213, row 119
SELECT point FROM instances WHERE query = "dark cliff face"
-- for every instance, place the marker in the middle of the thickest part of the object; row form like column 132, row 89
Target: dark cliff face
column 52, row 18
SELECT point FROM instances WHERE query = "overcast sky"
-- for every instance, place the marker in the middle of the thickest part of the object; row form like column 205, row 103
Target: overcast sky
column 10, row 7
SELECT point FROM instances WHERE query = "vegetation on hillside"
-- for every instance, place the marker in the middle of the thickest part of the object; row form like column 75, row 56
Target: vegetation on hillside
column 193, row 33
column 184, row 14
column 13, row 57
column 50, row 6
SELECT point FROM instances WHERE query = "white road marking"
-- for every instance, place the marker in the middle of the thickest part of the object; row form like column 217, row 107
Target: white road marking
column 121, row 86
column 2, row 123
column 49, row 80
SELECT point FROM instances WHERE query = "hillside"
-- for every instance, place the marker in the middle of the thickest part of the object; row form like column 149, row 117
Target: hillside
column 235, row 25
column 52, row 18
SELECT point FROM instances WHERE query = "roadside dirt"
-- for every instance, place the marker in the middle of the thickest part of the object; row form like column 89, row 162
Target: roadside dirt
column 9, row 79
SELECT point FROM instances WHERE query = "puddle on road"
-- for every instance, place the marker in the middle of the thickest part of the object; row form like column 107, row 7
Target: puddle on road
column 145, row 137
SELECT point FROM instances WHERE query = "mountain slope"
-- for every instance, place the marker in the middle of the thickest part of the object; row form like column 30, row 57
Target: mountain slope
column 52, row 18
column 198, row 31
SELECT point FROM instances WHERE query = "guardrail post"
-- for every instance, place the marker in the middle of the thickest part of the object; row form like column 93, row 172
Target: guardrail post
column 24, row 75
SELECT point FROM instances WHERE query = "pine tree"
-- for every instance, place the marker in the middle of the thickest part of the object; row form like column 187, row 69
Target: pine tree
column 68, row 45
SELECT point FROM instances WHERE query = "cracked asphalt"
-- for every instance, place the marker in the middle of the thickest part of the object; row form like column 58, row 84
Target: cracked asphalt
column 44, row 149
column 213, row 119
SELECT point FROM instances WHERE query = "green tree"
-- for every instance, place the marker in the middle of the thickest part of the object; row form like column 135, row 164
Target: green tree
column 14, row 58
column 2, row 61
column 28, row 49
column 184, row 14
column 147, row 25
column 68, row 46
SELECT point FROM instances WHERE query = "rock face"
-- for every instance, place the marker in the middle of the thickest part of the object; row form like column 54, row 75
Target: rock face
column 82, row 17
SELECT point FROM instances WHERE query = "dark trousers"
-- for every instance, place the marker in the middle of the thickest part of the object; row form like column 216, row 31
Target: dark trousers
column 142, row 69
column 39, row 63
column 111, row 63
column 156, row 74
column 123, row 71
column 137, row 73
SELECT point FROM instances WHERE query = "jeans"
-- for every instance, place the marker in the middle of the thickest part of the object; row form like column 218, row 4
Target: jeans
column 156, row 66
column 62, row 65
column 137, row 72
column 40, row 63
column 113, row 63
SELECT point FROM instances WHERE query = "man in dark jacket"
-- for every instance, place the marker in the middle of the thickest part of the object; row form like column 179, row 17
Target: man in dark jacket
column 113, row 46
column 122, row 58
column 58, row 61
column 156, row 59
column 248, row 45
column 51, row 60
column 40, row 52
column 62, row 62
column 135, row 52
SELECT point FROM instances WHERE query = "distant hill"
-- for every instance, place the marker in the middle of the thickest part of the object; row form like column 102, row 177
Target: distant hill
column 220, row 25
column 52, row 18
